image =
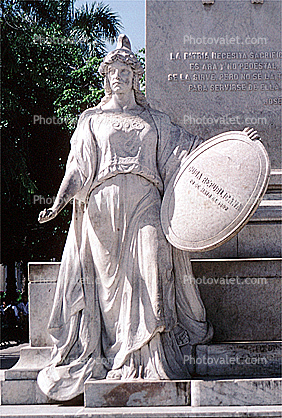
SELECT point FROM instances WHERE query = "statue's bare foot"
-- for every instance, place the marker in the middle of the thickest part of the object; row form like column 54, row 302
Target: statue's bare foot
column 114, row 374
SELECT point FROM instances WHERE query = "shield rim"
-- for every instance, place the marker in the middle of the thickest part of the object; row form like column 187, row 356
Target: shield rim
column 248, row 210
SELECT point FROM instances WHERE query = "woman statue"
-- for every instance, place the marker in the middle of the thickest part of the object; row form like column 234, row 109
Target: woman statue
column 125, row 304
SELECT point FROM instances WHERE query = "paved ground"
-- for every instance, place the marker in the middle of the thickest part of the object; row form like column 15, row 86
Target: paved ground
column 9, row 354
column 52, row 411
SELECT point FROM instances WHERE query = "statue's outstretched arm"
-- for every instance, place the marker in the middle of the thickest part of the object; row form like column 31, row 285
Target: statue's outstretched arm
column 70, row 185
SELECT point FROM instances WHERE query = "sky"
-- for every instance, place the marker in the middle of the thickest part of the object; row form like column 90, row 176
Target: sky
column 132, row 14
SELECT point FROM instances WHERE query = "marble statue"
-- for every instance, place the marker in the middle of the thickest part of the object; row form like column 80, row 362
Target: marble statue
column 123, row 307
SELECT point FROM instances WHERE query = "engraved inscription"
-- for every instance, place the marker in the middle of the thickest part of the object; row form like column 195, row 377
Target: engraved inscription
column 228, row 71
column 273, row 101
column 213, row 191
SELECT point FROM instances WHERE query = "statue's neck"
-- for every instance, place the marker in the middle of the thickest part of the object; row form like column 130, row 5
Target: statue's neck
column 122, row 102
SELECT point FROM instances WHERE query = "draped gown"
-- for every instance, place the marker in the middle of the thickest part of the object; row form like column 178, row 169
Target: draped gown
column 123, row 307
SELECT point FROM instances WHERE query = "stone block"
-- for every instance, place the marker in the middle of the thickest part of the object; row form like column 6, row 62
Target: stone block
column 236, row 392
column 248, row 309
column 242, row 298
column 257, row 239
column 19, row 384
column 43, row 272
column 21, row 392
column 207, row 71
column 238, row 360
column 227, row 250
column 20, row 374
column 261, row 237
column 260, row 240
column 250, row 267
column 33, row 358
column 42, row 284
column 99, row 393
column 269, row 210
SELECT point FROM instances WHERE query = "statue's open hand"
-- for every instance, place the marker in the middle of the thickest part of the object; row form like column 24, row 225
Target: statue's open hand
column 46, row 215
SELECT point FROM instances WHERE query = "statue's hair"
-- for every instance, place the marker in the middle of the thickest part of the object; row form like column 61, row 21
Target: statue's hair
column 139, row 96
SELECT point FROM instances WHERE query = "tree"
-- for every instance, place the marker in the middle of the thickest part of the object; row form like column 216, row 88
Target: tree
column 51, row 54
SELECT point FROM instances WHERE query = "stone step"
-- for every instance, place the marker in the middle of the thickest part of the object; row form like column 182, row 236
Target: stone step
column 24, row 391
column 99, row 394
column 238, row 359
column 52, row 411
column 233, row 392
column 269, row 210
column 261, row 359
column 275, row 181
column 105, row 393
column 237, row 392
column 233, row 360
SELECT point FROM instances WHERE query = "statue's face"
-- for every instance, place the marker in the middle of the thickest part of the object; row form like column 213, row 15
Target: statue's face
column 120, row 77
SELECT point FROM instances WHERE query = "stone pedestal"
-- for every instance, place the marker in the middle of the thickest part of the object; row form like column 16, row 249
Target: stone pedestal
column 99, row 393
column 242, row 298
column 259, row 361
column 217, row 67
column 211, row 73
column 42, row 279
column 176, row 393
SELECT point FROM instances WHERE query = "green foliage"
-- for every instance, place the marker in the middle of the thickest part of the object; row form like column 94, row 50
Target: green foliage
column 141, row 58
column 50, row 55
column 82, row 89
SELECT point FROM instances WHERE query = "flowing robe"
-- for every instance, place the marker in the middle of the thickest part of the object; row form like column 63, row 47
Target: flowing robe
column 125, row 301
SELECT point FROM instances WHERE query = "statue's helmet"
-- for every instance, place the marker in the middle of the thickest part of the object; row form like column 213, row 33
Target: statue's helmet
column 123, row 54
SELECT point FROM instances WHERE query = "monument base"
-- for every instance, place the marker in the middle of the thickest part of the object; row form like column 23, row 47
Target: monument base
column 233, row 392
column 251, row 371
column 242, row 297
column 116, row 394
column 241, row 367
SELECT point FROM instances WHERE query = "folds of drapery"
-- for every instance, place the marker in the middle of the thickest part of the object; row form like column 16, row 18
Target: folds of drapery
column 75, row 322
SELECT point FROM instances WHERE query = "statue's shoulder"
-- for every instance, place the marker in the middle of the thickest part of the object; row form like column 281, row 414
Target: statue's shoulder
column 88, row 113
column 159, row 116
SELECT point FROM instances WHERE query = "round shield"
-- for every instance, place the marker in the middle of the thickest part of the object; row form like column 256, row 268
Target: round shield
column 215, row 192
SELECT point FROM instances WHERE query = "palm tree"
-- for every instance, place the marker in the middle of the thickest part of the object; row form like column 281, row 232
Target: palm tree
column 42, row 79
column 97, row 24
